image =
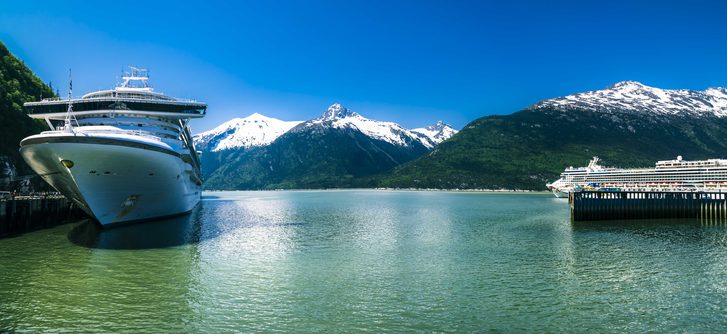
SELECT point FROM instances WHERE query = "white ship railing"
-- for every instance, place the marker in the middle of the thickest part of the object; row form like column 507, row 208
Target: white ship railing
column 145, row 134
column 124, row 98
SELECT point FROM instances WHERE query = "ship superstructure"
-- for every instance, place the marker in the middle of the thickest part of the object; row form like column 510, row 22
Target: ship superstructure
column 667, row 175
column 123, row 154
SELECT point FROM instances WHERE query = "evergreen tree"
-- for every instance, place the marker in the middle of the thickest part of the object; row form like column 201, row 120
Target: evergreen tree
column 18, row 85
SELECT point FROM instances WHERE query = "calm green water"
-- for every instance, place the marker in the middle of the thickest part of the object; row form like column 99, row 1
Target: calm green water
column 343, row 261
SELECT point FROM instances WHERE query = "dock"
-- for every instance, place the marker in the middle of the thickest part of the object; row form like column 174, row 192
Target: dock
column 613, row 205
column 21, row 214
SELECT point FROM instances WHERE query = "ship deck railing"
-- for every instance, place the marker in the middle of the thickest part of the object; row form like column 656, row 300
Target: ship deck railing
column 152, row 99
column 119, row 132
column 660, row 190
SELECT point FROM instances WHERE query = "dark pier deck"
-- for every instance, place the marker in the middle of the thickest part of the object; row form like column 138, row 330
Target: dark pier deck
column 27, row 213
column 595, row 205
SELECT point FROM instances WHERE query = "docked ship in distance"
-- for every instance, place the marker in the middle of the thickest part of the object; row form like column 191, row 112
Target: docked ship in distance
column 121, row 155
column 667, row 175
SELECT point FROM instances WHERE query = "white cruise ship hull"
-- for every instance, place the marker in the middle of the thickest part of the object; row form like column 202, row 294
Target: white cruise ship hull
column 560, row 193
column 559, row 188
column 115, row 181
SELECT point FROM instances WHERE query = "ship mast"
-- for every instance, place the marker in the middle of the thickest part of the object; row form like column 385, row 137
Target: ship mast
column 138, row 76
column 69, row 113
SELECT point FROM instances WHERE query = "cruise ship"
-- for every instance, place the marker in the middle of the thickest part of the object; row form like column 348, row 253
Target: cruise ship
column 667, row 175
column 121, row 155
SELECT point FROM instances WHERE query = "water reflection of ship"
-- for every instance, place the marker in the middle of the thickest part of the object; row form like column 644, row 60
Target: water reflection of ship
column 649, row 226
column 176, row 231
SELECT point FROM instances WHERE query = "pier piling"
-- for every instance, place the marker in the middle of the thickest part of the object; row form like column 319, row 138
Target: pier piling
column 28, row 213
column 600, row 205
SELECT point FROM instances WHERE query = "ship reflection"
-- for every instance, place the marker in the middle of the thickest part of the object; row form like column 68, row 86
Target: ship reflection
column 629, row 224
column 669, row 230
column 176, row 231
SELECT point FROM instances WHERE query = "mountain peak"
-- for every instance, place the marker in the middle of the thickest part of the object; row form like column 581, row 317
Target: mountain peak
column 336, row 111
column 338, row 116
column 635, row 97
column 253, row 130
column 436, row 133
column 239, row 121
column 439, row 126
column 256, row 115
column 259, row 130
column 626, row 84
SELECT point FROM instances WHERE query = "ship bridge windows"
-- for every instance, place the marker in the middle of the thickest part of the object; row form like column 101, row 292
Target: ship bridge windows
column 130, row 121
column 98, row 104
column 144, row 96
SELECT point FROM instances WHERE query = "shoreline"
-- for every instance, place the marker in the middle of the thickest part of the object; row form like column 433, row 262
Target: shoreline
column 504, row 191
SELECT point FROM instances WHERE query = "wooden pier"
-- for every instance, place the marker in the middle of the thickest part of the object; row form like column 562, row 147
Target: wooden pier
column 601, row 205
column 27, row 213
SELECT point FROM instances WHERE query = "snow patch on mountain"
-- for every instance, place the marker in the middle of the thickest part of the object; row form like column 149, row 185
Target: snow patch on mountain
column 437, row 133
column 254, row 130
column 632, row 96
column 259, row 130
column 338, row 116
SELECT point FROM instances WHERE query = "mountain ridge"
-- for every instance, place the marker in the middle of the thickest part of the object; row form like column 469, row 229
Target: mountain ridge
column 633, row 96
column 437, row 132
column 253, row 130
column 340, row 148
column 245, row 133
column 627, row 124
column 339, row 116
column 18, row 84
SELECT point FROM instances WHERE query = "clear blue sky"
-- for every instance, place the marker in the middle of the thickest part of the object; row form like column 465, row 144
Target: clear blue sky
column 412, row 62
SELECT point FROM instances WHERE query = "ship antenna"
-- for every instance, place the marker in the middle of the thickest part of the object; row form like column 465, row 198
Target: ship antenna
column 69, row 113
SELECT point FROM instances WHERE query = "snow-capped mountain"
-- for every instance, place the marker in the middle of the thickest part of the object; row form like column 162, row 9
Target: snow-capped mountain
column 338, row 116
column 259, row 130
column 436, row 133
column 627, row 125
column 632, row 96
column 340, row 148
column 254, row 130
